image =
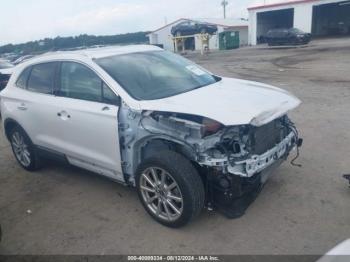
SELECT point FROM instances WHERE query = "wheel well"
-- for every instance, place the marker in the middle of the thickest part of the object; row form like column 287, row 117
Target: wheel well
column 9, row 125
column 155, row 145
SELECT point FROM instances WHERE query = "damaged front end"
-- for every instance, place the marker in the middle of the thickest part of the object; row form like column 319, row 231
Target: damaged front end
column 234, row 161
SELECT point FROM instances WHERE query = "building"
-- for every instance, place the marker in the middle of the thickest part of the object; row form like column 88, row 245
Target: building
column 319, row 17
column 162, row 36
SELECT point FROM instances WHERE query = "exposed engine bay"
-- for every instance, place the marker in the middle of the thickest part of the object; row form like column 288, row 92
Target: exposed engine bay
column 231, row 159
column 238, row 150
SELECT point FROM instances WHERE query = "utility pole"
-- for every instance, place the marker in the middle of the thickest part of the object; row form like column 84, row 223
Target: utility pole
column 224, row 3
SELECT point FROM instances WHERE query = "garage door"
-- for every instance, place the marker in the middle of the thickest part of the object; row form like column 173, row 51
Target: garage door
column 331, row 19
column 273, row 19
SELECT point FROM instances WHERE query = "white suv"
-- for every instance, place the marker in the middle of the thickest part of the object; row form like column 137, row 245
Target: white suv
column 145, row 117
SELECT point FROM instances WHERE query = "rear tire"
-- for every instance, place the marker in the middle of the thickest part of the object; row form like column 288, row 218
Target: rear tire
column 170, row 189
column 24, row 150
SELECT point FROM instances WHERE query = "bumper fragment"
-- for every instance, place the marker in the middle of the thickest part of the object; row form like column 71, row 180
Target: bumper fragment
column 257, row 163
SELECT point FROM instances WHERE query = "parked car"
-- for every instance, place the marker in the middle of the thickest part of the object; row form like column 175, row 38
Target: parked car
column 292, row 36
column 339, row 253
column 22, row 59
column 192, row 28
column 148, row 118
column 6, row 69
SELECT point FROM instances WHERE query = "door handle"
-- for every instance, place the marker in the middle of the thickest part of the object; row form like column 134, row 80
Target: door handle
column 22, row 107
column 105, row 108
column 63, row 114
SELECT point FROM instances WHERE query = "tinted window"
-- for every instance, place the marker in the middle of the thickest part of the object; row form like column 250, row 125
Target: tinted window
column 78, row 81
column 296, row 31
column 108, row 95
column 41, row 78
column 154, row 75
column 22, row 80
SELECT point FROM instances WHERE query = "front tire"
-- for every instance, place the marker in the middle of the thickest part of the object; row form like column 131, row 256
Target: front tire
column 170, row 189
column 24, row 150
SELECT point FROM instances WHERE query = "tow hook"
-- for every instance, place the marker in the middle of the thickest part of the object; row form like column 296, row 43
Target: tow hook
column 347, row 177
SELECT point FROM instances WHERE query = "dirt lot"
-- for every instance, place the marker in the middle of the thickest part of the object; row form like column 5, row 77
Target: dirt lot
column 300, row 211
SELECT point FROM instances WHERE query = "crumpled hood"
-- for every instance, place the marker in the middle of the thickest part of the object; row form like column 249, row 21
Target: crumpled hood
column 230, row 102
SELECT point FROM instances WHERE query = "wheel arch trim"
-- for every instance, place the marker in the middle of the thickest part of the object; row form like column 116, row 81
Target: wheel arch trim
column 11, row 122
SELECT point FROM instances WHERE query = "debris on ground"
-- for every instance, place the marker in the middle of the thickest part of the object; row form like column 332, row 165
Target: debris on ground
column 347, row 176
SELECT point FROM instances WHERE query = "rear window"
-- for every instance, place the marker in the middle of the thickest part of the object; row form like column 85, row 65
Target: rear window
column 41, row 78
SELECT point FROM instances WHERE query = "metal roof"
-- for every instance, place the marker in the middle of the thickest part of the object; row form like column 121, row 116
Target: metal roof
column 281, row 4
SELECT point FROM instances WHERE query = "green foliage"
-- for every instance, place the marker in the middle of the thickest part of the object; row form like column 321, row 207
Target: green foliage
column 63, row 43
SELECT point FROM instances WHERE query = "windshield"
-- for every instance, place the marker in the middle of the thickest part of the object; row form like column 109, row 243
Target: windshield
column 5, row 64
column 156, row 74
column 296, row 31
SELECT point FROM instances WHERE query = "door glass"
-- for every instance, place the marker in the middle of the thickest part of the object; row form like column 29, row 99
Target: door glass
column 41, row 78
column 22, row 80
column 78, row 81
column 109, row 96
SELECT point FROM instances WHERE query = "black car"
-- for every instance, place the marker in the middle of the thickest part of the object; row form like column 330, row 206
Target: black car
column 192, row 28
column 291, row 36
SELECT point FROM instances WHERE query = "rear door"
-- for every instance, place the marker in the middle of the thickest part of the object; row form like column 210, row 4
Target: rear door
column 35, row 104
column 88, row 114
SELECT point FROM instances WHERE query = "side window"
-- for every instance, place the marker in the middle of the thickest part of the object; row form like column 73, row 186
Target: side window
column 108, row 96
column 41, row 78
column 23, row 78
column 78, row 81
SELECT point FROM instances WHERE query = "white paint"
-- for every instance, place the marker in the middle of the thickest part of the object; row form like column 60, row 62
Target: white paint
column 75, row 127
column 339, row 253
column 76, row 132
column 302, row 16
column 230, row 101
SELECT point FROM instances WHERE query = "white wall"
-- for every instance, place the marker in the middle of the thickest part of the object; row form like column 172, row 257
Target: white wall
column 252, row 30
column 164, row 37
column 302, row 16
column 243, row 36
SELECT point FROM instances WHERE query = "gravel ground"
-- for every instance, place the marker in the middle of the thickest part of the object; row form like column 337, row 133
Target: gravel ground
column 300, row 211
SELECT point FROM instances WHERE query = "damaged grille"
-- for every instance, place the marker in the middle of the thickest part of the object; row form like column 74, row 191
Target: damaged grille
column 267, row 136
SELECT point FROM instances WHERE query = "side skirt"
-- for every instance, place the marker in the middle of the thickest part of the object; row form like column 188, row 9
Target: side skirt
column 60, row 157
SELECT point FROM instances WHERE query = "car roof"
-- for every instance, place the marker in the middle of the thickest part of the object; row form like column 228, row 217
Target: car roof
column 93, row 53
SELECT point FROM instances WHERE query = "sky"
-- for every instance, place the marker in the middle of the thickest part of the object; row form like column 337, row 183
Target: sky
column 27, row 20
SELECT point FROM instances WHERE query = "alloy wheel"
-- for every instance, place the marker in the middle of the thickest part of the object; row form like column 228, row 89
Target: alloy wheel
column 20, row 149
column 161, row 193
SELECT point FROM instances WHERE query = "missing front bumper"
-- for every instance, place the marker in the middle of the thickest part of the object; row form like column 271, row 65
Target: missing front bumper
column 232, row 195
column 258, row 163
